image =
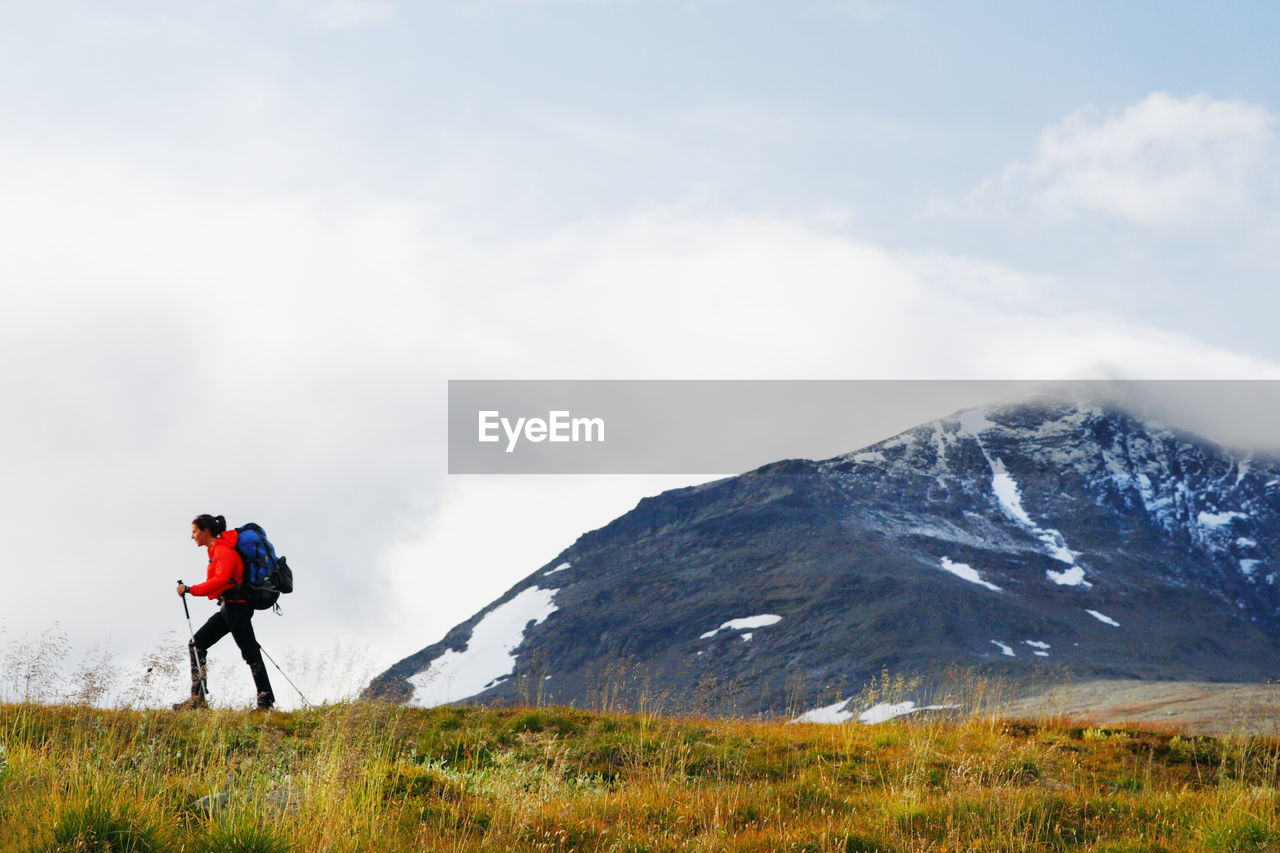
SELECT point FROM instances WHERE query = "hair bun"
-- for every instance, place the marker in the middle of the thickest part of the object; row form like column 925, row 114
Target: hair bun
column 215, row 524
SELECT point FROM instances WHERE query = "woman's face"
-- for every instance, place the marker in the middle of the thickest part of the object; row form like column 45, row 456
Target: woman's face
column 203, row 538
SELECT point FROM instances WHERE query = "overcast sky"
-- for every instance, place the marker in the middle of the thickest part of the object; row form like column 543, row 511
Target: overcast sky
column 244, row 245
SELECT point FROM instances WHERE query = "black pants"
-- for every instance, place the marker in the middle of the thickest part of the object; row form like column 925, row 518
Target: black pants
column 234, row 619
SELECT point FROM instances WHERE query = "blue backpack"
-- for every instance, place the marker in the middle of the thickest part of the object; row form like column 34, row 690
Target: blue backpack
column 266, row 576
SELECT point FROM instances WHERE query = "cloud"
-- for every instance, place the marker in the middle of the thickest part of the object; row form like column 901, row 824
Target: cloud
column 1164, row 162
column 678, row 292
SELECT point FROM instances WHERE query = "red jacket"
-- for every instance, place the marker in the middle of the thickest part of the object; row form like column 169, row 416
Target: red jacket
column 226, row 569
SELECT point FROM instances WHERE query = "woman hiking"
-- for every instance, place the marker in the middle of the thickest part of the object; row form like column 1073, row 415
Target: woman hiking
column 225, row 574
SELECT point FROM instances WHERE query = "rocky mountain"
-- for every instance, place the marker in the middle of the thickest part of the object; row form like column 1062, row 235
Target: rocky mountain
column 1043, row 541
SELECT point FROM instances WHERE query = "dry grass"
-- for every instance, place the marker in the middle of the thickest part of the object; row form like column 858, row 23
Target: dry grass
column 360, row 776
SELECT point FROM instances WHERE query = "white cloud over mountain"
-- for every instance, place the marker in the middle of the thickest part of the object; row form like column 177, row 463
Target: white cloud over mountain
column 1165, row 162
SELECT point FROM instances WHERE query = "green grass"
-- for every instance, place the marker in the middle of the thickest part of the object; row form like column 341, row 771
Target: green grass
column 360, row 776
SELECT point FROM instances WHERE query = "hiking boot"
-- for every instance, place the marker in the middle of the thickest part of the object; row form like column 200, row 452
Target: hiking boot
column 194, row 703
column 265, row 704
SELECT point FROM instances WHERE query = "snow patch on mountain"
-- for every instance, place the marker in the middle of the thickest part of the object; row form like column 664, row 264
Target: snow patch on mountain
column 977, row 531
column 1214, row 529
column 1038, row 648
column 941, row 440
column 1008, row 494
column 1073, row 576
column 559, row 568
column 885, row 711
column 972, row 424
column 1004, row 649
column 489, row 656
column 830, row 714
column 1055, row 544
column 764, row 620
column 966, row 572
column 1103, row 618
column 1218, row 519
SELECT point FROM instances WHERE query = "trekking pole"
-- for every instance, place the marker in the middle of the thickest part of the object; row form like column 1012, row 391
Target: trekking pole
column 282, row 672
column 195, row 664
column 187, row 611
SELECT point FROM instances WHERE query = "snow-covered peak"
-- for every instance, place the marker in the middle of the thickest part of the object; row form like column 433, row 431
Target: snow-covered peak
column 1023, row 477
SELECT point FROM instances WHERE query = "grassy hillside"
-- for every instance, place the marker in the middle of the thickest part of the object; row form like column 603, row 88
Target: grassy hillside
column 363, row 777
